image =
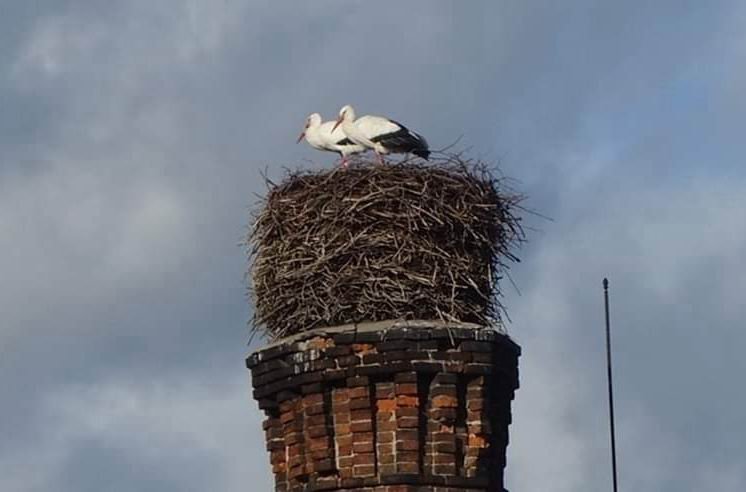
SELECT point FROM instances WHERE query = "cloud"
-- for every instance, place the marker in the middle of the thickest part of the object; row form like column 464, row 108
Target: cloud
column 667, row 253
column 131, row 139
column 187, row 435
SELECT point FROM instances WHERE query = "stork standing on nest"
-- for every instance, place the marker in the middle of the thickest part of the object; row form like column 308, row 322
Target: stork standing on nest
column 326, row 136
column 382, row 135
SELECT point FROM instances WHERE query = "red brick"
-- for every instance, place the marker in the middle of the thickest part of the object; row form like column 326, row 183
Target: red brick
column 322, row 466
column 342, row 429
column 359, row 392
column 315, row 420
column 363, row 348
column 319, row 343
column 406, row 389
column 408, row 467
column 318, row 443
column 344, row 440
column 386, row 455
column 407, row 445
column 386, row 426
column 444, row 469
column 315, row 409
column 407, row 412
column 320, row 454
column 363, row 470
column 317, row 431
column 407, row 434
column 362, row 414
column 385, row 391
column 407, row 422
column 444, row 459
column 407, row 456
column 362, row 437
column 341, row 394
column 407, row 401
column 363, row 447
column 385, row 437
column 312, row 399
column 360, row 403
column 362, row 426
column 477, row 441
column 386, row 405
column 444, row 401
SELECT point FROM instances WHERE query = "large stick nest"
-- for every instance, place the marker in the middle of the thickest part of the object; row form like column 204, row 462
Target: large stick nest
column 377, row 242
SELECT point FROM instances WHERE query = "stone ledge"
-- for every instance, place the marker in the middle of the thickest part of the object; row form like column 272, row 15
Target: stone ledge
column 381, row 331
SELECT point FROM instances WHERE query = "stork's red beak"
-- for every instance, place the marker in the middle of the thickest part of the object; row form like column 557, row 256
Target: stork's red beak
column 302, row 135
column 339, row 121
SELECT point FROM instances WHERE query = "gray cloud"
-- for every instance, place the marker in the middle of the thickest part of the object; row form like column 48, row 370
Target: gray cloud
column 131, row 139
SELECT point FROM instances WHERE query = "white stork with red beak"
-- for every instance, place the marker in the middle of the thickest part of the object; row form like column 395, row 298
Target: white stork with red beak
column 326, row 136
column 382, row 135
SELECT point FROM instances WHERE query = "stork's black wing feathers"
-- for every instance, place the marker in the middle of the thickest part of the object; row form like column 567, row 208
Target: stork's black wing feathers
column 403, row 141
column 345, row 141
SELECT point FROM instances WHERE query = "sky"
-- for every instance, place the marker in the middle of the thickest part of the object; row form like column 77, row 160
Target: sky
column 133, row 136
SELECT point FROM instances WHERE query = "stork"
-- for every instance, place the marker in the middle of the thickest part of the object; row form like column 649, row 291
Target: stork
column 381, row 134
column 326, row 136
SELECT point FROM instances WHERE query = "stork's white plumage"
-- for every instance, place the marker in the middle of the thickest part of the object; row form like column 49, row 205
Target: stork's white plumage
column 382, row 135
column 325, row 136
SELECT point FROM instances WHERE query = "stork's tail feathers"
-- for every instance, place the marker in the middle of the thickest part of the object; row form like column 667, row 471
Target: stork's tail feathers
column 424, row 153
column 423, row 149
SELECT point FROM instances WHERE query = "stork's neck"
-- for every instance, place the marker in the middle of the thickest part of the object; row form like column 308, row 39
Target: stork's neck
column 349, row 114
column 313, row 135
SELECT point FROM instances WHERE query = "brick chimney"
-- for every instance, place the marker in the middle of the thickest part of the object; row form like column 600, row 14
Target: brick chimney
column 388, row 406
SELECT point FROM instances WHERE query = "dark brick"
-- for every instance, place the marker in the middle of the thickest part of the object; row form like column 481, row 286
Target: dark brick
column 357, row 381
column 268, row 366
column 373, row 359
column 427, row 367
column 445, row 379
column 348, row 360
column 395, row 345
column 476, row 347
column 338, row 351
column 369, row 336
column 267, row 404
column 406, row 377
column 334, row 374
column 480, row 369
column 312, row 388
column 401, row 479
column 344, row 338
column 427, row 345
column 482, row 358
column 390, row 368
column 397, row 355
column 307, row 378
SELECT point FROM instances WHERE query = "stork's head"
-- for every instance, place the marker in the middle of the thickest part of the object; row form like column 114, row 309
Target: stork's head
column 346, row 113
column 313, row 119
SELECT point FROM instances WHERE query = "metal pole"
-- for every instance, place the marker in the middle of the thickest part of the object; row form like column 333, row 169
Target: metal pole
column 611, row 387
